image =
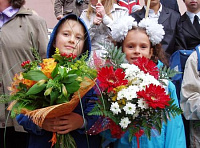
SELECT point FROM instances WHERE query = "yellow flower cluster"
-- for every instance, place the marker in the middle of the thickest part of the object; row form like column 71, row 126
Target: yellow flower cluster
column 117, row 89
column 48, row 66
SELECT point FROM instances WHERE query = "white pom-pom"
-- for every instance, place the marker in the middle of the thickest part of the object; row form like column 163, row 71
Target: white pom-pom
column 154, row 30
column 121, row 27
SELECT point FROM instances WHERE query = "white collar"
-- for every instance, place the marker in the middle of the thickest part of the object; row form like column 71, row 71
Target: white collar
column 152, row 11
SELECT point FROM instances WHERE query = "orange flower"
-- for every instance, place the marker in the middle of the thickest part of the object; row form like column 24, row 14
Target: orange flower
column 48, row 66
column 18, row 78
column 29, row 83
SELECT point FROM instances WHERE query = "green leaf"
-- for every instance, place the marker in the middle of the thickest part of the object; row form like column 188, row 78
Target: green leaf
column 36, row 89
column 35, row 75
column 54, row 72
column 62, row 71
column 132, row 131
column 70, row 78
column 78, row 72
column 53, row 96
column 72, row 87
column 57, row 57
column 62, row 99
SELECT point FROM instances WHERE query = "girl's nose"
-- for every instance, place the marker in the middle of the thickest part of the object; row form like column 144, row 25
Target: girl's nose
column 72, row 39
column 137, row 50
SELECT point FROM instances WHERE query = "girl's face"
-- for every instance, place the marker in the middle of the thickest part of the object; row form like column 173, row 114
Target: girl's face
column 137, row 44
column 70, row 37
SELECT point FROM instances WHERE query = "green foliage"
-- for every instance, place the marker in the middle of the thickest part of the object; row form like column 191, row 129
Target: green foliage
column 35, row 75
column 65, row 141
column 114, row 55
column 5, row 99
column 35, row 89
column 167, row 73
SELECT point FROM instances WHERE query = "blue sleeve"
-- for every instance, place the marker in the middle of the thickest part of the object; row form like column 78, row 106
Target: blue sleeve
column 175, row 132
column 28, row 125
column 84, row 107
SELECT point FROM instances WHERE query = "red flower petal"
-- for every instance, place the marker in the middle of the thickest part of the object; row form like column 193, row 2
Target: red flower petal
column 109, row 79
column 148, row 66
column 155, row 96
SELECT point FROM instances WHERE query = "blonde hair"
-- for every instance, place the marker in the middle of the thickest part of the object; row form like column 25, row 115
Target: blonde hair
column 108, row 5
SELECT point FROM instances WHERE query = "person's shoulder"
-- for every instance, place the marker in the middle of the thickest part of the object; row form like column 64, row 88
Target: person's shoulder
column 183, row 16
column 30, row 14
column 171, row 11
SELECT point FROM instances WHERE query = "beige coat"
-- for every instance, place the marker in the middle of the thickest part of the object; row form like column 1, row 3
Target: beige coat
column 190, row 97
column 15, row 47
column 64, row 7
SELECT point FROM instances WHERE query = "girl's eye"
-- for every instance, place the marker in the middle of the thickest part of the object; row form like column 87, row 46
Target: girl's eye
column 130, row 46
column 79, row 37
column 66, row 34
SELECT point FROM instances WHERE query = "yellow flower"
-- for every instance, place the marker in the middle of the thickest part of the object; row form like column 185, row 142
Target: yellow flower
column 122, row 102
column 116, row 90
column 119, row 88
column 48, row 66
column 57, row 51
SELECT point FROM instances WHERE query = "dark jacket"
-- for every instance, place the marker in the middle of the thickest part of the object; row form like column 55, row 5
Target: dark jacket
column 39, row 138
column 172, row 4
column 192, row 37
column 170, row 19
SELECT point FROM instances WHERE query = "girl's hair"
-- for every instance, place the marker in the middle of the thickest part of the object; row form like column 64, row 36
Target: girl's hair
column 17, row 3
column 108, row 5
column 158, row 52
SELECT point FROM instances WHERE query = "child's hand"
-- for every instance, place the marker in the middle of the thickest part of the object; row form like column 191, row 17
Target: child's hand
column 100, row 11
column 63, row 124
column 97, row 20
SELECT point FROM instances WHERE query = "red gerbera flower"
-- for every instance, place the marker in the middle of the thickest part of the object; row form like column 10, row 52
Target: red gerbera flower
column 148, row 66
column 155, row 96
column 110, row 79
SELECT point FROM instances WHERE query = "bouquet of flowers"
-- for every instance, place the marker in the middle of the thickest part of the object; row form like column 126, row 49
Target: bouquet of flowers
column 51, row 88
column 132, row 97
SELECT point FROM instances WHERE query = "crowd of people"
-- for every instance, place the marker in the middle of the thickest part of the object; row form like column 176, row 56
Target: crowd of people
column 83, row 25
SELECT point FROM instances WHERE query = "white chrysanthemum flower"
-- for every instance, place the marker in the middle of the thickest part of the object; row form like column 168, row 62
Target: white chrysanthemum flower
column 121, row 26
column 147, row 80
column 154, row 30
column 142, row 104
column 129, row 108
column 124, row 122
column 128, row 93
column 115, row 108
column 131, row 71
